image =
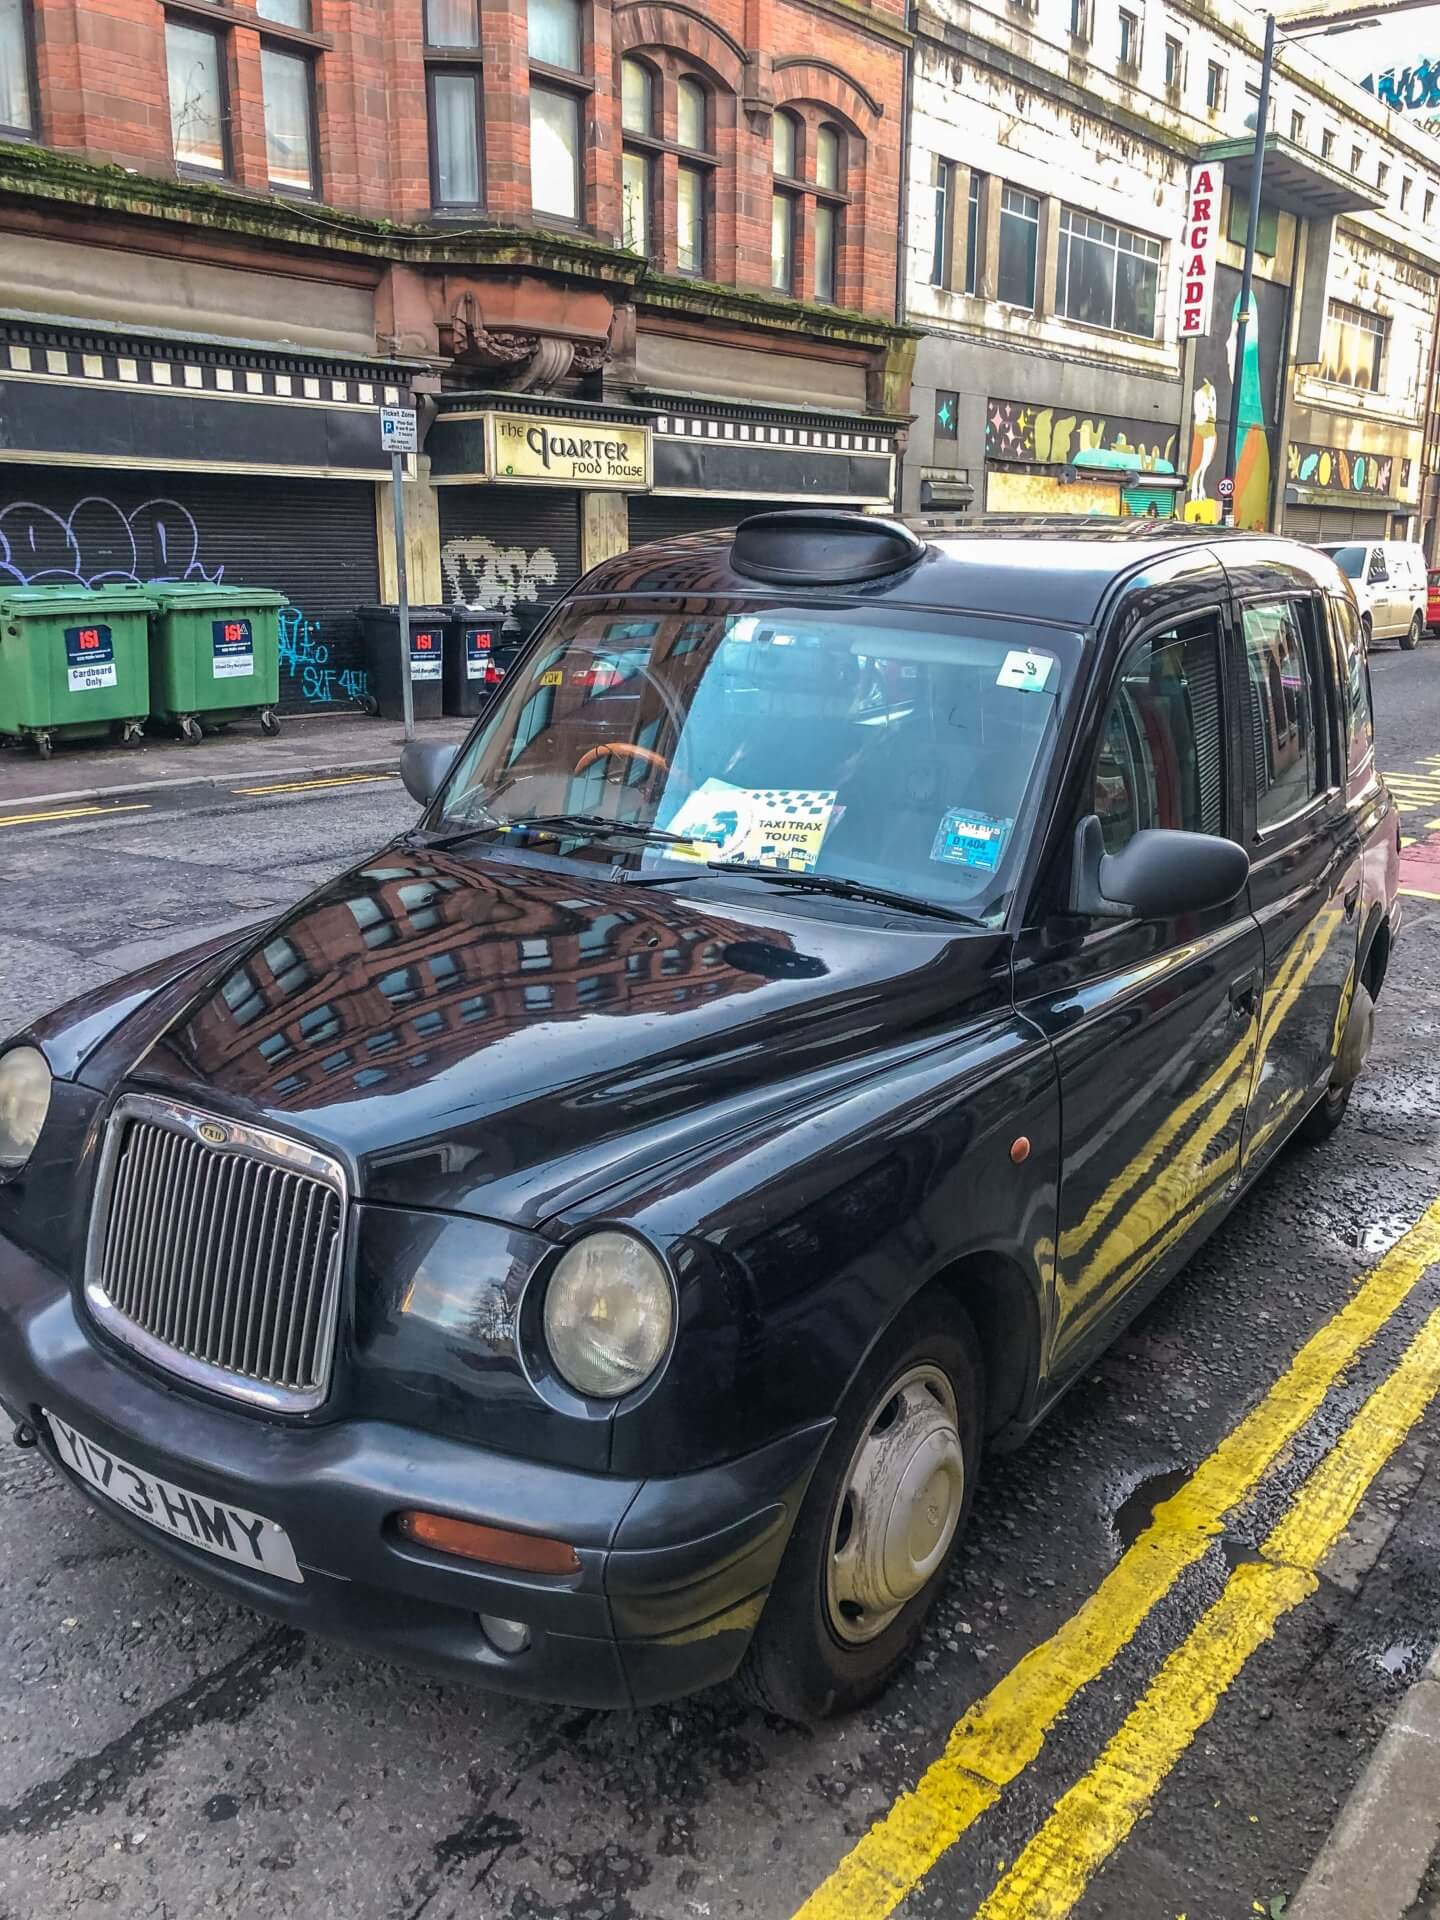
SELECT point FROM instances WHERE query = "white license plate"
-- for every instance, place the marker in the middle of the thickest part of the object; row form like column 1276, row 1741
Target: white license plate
column 230, row 1533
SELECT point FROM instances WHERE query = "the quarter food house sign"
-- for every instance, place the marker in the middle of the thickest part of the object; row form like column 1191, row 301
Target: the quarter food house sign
column 574, row 453
column 1202, row 230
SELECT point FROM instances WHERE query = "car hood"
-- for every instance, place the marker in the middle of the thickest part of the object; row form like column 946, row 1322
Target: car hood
column 499, row 1038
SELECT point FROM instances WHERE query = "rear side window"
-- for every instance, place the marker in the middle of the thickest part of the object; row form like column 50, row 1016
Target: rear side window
column 1285, row 710
column 1355, row 686
column 1161, row 762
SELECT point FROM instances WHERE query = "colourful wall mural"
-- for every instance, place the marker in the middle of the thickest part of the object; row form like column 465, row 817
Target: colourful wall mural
column 1338, row 469
column 1258, row 403
column 1052, row 436
column 1413, row 89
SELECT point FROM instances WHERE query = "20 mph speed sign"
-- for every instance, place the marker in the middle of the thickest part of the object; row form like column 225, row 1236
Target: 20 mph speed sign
column 1227, row 489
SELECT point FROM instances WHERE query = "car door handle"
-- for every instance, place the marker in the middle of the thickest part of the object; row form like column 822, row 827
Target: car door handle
column 1243, row 995
column 1352, row 900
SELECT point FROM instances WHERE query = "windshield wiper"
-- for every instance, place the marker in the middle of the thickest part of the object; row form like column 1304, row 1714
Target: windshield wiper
column 597, row 823
column 590, row 823
column 832, row 883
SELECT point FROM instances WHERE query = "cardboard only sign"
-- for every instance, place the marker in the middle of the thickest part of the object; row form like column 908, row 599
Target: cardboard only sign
column 1200, row 243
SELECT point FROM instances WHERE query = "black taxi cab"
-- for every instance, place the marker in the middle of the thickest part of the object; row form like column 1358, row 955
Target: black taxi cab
column 590, row 1245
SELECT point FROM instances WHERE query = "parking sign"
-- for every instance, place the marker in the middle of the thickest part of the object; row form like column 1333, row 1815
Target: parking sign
column 397, row 430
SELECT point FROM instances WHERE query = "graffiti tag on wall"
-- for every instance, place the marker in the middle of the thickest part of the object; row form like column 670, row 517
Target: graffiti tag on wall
column 96, row 544
column 481, row 573
column 1414, row 90
column 305, row 655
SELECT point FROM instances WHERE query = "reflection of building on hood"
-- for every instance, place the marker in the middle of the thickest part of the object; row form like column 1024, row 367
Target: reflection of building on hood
column 376, row 985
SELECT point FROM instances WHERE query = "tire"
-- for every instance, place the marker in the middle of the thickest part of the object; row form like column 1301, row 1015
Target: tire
column 269, row 721
column 816, row 1651
column 190, row 730
column 1410, row 639
column 1325, row 1116
column 370, row 704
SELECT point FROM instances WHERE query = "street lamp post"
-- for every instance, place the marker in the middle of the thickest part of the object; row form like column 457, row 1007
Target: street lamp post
column 1247, row 277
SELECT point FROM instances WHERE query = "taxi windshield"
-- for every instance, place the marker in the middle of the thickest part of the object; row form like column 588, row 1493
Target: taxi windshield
column 872, row 745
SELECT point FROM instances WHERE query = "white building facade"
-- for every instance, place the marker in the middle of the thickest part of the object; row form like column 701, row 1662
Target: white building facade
column 1050, row 158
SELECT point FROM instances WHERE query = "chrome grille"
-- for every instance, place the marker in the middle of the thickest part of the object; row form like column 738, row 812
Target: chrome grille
column 215, row 1250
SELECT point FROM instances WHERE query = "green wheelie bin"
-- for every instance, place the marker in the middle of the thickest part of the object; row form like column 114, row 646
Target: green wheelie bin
column 74, row 663
column 214, row 655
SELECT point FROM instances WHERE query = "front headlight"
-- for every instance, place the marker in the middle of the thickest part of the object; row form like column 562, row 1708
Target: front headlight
column 24, row 1103
column 608, row 1315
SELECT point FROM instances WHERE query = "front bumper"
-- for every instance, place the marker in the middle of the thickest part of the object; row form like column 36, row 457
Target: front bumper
column 672, row 1575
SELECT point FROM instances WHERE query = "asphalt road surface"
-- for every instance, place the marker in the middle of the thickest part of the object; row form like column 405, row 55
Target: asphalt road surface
column 1118, row 1710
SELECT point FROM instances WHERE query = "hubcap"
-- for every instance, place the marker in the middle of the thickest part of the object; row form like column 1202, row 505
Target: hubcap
column 898, row 1507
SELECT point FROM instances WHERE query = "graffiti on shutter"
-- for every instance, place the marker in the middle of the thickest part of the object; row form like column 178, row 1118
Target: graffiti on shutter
column 483, row 573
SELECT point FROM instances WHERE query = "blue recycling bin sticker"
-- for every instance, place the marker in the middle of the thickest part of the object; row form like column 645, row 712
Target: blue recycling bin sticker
column 233, row 642
column 89, row 658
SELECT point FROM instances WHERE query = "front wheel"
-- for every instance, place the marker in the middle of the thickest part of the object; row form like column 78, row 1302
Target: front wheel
column 1367, row 631
column 269, row 720
column 880, row 1522
column 1411, row 639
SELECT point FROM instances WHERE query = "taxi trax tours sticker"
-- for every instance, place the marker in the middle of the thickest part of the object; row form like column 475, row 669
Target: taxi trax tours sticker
column 780, row 827
column 89, row 658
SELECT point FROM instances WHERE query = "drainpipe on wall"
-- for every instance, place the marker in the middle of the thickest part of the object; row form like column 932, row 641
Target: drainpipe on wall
column 1285, row 390
column 903, row 247
column 1425, row 493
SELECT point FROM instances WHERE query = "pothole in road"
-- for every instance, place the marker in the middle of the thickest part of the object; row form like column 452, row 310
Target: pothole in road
column 1137, row 1509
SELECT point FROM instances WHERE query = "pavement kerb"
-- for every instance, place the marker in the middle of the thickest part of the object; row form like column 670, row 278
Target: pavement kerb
column 248, row 777
column 1389, row 1829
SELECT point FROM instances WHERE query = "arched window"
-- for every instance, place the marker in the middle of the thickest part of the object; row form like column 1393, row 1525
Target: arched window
column 785, row 137
column 692, row 114
column 827, row 156
column 639, row 104
column 692, row 178
column 829, row 179
column 637, row 97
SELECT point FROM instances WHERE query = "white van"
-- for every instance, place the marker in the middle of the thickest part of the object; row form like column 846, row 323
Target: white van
column 1390, row 584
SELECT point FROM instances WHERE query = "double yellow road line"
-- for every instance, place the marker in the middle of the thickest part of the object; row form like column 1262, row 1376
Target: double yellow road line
column 1003, row 1733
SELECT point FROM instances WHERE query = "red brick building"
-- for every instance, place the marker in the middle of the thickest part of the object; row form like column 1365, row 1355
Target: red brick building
column 637, row 260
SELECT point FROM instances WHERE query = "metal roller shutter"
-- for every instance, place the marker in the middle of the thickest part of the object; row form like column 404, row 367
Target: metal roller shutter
column 508, row 547
column 654, row 517
column 312, row 540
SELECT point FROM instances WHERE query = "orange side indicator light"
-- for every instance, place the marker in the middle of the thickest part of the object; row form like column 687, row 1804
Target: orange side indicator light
column 526, row 1552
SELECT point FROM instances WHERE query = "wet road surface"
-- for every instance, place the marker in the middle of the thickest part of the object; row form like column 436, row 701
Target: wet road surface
column 1107, row 1717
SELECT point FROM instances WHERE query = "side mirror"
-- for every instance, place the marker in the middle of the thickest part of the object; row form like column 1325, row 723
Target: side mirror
column 423, row 767
column 1158, row 874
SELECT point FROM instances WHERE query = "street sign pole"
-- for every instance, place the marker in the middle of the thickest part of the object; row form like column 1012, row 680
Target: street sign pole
column 397, row 432
column 402, row 588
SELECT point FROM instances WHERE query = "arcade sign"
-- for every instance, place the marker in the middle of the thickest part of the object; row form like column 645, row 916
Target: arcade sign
column 1200, row 243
